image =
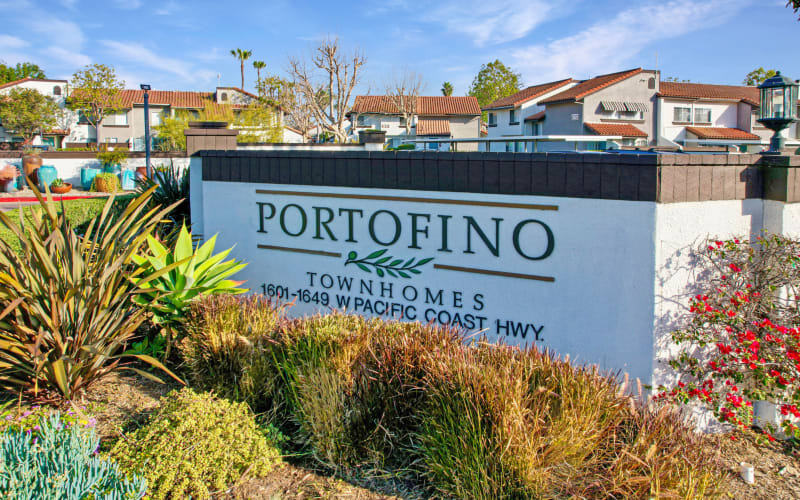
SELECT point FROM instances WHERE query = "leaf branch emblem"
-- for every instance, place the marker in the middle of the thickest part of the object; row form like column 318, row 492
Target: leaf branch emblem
column 387, row 264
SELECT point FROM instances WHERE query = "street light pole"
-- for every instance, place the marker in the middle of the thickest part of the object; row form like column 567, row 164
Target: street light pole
column 146, row 88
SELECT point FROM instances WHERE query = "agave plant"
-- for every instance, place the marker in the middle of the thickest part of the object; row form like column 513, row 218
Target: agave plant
column 67, row 308
column 173, row 277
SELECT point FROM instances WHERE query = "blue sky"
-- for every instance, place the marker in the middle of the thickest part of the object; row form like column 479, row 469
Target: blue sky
column 184, row 44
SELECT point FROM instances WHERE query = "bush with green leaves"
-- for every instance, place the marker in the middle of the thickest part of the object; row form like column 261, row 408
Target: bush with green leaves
column 196, row 445
column 60, row 462
column 68, row 301
column 172, row 277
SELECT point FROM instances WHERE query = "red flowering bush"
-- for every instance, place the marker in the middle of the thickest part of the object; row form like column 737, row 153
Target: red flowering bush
column 743, row 340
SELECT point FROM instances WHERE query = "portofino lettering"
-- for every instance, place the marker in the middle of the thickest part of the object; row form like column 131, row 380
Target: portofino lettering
column 531, row 239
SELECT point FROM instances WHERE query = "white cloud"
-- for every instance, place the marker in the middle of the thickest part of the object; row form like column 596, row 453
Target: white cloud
column 75, row 59
column 488, row 22
column 611, row 44
column 128, row 4
column 58, row 32
column 12, row 42
column 167, row 9
column 138, row 53
column 69, row 4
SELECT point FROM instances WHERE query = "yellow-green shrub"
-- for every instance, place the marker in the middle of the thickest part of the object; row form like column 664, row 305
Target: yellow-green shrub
column 196, row 444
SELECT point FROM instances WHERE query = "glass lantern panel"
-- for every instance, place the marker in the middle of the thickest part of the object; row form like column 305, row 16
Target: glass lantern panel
column 777, row 103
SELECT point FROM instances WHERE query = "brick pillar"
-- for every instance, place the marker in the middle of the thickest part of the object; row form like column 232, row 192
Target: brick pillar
column 209, row 136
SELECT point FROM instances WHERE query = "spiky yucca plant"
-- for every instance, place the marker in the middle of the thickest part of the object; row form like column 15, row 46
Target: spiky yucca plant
column 67, row 307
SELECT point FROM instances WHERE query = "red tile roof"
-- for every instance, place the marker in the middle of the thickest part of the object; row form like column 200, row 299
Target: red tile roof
column 623, row 129
column 587, row 87
column 17, row 82
column 536, row 116
column 174, row 98
column 722, row 133
column 433, row 126
column 527, row 94
column 707, row 91
column 426, row 105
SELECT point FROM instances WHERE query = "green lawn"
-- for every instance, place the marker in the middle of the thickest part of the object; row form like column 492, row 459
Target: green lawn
column 79, row 213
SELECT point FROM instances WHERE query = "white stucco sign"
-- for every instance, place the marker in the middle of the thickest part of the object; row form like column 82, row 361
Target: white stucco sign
column 527, row 270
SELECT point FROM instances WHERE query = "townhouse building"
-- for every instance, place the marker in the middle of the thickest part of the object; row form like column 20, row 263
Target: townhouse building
column 435, row 117
column 126, row 126
column 520, row 113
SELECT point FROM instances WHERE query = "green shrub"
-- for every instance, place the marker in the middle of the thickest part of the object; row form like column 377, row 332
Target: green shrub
column 59, row 462
column 68, row 301
column 111, row 181
column 195, row 445
column 227, row 348
column 112, row 157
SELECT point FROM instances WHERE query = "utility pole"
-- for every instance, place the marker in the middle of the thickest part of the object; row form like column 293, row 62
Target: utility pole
column 146, row 88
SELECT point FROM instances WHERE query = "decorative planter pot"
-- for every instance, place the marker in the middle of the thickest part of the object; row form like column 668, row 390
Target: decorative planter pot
column 87, row 176
column 30, row 167
column 8, row 185
column 112, row 168
column 47, row 174
column 128, row 180
column 64, row 188
column 106, row 185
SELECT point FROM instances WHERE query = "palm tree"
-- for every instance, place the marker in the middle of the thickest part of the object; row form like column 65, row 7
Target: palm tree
column 242, row 56
column 447, row 89
column 259, row 65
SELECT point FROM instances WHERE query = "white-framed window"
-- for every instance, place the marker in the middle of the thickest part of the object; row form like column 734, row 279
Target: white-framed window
column 512, row 117
column 702, row 115
column 402, row 121
column 683, row 115
column 361, row 121
column 57, row 90
column 116, row 119
column 155, row 118
column 492, row 119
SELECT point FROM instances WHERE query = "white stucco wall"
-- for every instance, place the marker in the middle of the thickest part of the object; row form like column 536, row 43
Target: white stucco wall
column 69, row 169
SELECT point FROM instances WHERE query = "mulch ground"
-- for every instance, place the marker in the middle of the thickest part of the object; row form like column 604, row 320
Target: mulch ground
column 121, row 402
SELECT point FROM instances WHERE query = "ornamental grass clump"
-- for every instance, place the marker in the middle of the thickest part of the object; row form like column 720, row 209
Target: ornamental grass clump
column 197, row 445
column 227, row 347
column 67, row 301
column 505, row 423
column 58, row 460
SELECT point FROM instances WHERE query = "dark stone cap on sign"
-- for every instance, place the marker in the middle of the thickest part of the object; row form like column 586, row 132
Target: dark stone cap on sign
column 662, row 178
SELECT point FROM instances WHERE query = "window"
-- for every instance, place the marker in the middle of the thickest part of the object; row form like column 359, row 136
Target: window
column 512, row 117
column 361, row 121
column 492, row 119
column 224, row 96
column 116, row 119
column 82, row 118
column 651, row 83
column 155, row 118
column 402, row 121
column 702, row 115
column 56, row 90
column 683, row 115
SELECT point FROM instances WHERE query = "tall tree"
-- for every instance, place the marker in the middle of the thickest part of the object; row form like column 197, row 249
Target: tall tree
column 758, row 75
column 402, row 91
column 27, row 112
column 242, row 56
column 96, row 94
column 258, row 65
column 447, row 89
column 328, row 97
column 795, row 5
column 20, row 71
column 494, row 81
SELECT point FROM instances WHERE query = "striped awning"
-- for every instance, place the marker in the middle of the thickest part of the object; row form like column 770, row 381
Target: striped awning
column 624, row 106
